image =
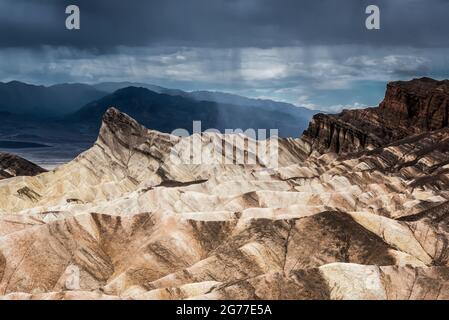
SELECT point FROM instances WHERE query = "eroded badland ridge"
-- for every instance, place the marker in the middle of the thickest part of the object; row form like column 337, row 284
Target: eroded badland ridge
column 356, row 209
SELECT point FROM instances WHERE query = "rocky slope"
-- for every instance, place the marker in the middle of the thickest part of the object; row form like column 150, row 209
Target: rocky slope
column 12, row 166
column 137, row 217
column 409, row 108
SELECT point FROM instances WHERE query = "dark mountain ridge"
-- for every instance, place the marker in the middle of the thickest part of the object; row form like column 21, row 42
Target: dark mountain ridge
column 22, row 103
column 45, row 102
column 166, row 113
column 303, row 115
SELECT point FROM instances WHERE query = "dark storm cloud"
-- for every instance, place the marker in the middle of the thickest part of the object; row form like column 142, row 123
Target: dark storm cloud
column 106, row 24
column 314, row 53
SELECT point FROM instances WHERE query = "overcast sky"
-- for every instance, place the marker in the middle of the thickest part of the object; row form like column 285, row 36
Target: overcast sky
column 311, row 53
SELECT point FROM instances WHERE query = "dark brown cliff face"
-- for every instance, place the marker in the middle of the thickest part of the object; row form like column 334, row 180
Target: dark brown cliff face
column 12, row 166
column 331, row 133
column 422, row 103
column 409, row 107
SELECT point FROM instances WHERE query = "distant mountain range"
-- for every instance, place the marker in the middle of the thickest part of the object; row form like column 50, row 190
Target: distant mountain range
column 220, row 98
column 111, row 87
column 157, row 107
column 166, row 113
column 45, row 102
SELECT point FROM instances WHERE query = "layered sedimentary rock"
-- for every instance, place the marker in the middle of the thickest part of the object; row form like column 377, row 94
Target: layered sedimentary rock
column 409, row 108
column 135, row 217
column 422, row 103
column 12, row 166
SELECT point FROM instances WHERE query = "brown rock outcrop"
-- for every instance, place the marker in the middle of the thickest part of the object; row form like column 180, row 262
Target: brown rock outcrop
column 421, row 103
column 13, row 166
column 409, row 108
